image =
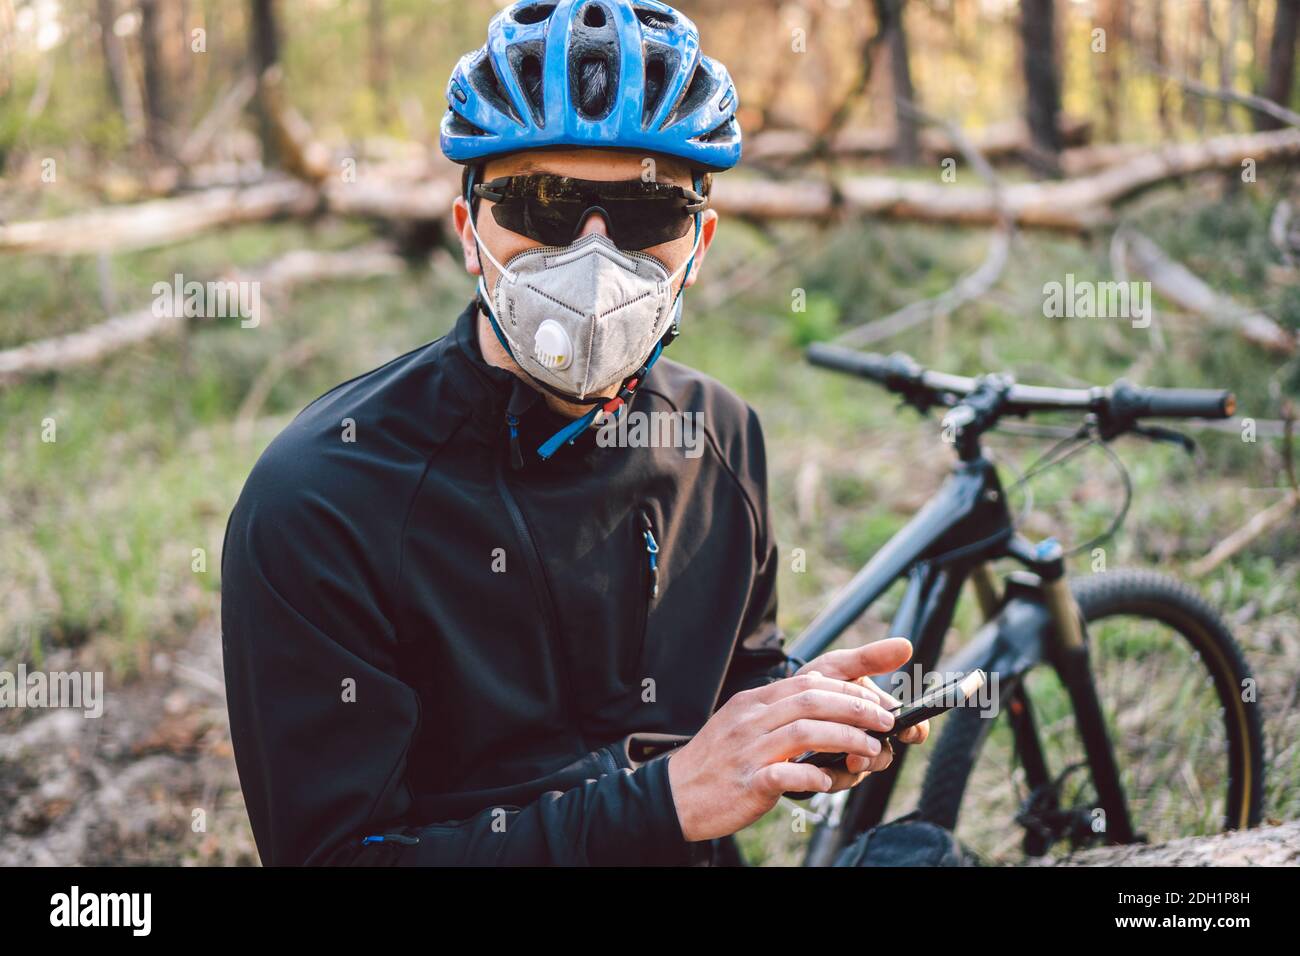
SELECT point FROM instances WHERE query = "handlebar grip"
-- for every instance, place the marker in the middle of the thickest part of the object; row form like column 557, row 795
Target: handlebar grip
column 891, row 371
column 1132, row 401
column 862, row 364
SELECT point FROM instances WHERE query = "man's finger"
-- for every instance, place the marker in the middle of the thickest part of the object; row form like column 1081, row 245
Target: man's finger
column 915, row 734
column 789, row 686
column 843, row 780
column 825, row 705
column 778, row 778
column 856, row 764
column 808, row 734
column 879, row 657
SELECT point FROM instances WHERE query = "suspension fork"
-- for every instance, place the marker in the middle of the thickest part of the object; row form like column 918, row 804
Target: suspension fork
column 1017, row 706
column 1067, row 649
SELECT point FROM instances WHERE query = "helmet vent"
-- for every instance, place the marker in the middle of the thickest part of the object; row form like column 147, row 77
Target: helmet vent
column 701, row 88
column 534, row 14
column 594, row 15
column 526, row 60
column 655, row 72
column 594, row 87
column 530, row 70
column 488, row 85
column 655, row 19
column 459, row 126
column 724, row 133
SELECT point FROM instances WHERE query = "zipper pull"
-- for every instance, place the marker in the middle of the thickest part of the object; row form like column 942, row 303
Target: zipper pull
column 516, row 455
column 652, row 549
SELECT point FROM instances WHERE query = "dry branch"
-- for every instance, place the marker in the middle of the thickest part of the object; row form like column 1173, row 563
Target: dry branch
column 155, row 223
column 94, row 343
column 1179, row 285
column 1265, row 520
column 1260, row 104
column 997, row 143
column 1269, row 518
column 218, row 119
column 968, row 287
column 1073, row 205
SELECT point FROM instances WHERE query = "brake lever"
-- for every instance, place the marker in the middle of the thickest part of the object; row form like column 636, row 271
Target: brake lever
column 1167, row 435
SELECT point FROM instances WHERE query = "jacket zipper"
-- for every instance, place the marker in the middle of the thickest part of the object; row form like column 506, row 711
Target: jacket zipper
column 649, row 592
column 536, row 570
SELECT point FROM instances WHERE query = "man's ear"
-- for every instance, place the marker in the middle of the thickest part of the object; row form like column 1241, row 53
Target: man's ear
column 460, row 214
column 708, row 227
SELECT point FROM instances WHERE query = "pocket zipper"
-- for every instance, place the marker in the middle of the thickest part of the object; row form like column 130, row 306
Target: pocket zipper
column 652, row 551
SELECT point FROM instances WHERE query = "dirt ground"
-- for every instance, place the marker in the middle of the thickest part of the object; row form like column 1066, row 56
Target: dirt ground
column 150, row 782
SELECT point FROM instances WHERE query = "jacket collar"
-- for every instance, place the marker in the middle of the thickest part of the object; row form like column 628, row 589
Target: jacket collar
column 495, row 392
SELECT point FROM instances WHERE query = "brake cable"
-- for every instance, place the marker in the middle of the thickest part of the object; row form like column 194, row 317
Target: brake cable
column 1067, row 448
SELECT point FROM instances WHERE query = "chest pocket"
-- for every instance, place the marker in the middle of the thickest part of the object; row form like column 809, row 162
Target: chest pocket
column 645, row 536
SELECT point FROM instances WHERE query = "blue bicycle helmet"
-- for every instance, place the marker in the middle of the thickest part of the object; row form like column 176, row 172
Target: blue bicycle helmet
column 614, row 74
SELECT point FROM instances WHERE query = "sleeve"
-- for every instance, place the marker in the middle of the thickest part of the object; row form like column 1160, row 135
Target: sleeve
column 321, row 726
column 759, row 657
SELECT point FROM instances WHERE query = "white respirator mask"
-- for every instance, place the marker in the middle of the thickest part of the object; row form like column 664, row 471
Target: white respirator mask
column 582, row 317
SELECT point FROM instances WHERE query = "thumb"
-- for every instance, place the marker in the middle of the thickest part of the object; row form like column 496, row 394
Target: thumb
column 881, row 657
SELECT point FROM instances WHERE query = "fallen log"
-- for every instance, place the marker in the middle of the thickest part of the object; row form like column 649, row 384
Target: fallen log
column 1180, row 286
column 162, row 221
column 1073, row 205
column 158, row 222
column 1261, row 846
column 970, row 286
column 92, row 344
column 997, row 142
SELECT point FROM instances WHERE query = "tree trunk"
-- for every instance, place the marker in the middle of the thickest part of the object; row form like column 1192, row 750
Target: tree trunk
column 1042, row 81
column 1108, row 77
column 907, row 146
column 157, row 103
column 1281, row 60
column 264, row 49
column 1228, row 63
column 1158, row 57
column 120, row 81
column 377, row 60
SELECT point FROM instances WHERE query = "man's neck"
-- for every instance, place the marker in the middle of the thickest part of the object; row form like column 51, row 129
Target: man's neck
column 496, row 355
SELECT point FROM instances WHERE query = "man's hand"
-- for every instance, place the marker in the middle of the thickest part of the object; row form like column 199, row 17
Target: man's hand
column 858, row 664
column 736, row 768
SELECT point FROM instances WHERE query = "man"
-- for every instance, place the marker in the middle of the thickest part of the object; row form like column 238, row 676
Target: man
column 459, row 628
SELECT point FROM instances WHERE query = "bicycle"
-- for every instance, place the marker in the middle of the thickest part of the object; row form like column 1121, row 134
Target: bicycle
column 1076, row 762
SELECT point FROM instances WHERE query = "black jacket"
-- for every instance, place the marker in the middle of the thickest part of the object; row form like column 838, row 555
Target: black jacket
column 424, row 642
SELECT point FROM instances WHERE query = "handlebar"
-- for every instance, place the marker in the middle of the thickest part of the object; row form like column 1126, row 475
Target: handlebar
column 1121, row 402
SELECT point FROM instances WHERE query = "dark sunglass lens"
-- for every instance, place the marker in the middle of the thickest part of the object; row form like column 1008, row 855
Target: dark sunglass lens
column 550, row 209
column 548, row 223
column 642, row 223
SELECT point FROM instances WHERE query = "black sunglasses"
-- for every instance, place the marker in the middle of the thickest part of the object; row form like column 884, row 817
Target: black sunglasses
column 550, row 209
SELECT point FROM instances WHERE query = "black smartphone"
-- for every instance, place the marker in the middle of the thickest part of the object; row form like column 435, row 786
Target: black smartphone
column 931, row 704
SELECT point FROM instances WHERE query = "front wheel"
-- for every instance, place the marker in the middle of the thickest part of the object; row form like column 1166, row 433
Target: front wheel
column 1178, row 703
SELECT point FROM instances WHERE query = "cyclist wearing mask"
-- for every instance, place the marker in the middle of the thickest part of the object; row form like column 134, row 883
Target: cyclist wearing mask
column 460, row 629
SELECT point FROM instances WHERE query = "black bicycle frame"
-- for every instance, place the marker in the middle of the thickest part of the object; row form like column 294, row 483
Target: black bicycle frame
column 964, row 526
